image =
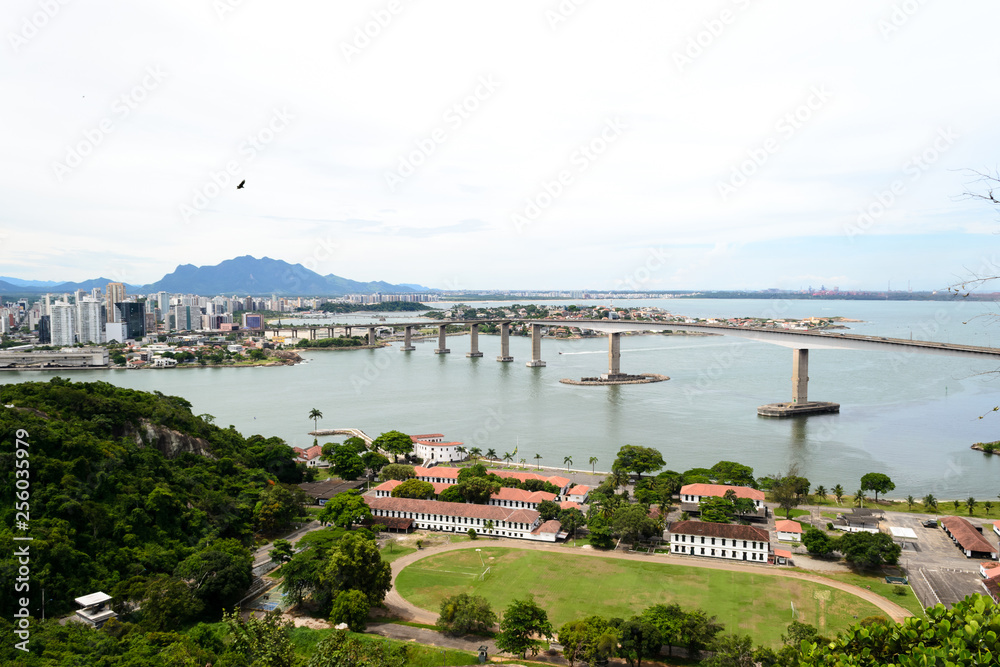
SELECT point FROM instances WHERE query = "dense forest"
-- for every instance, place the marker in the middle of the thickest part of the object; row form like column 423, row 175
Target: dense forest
column 130, row 490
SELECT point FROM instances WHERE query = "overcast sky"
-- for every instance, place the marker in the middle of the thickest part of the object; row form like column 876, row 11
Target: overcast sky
column 596, row 144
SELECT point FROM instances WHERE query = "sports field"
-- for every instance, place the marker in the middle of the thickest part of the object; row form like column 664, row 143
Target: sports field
column 570, row 587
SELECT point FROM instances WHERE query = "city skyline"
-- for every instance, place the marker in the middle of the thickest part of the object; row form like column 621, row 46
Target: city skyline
column 556, row 146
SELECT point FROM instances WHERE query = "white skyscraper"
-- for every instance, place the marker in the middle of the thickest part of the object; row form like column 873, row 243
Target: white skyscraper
column 61, row 322
column 89, row 313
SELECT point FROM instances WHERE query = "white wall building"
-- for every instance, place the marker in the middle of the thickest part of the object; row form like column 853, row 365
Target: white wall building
column 62, row 325
column 459, row 517
column 432, row 449
column 720, row 540
column 90, row 329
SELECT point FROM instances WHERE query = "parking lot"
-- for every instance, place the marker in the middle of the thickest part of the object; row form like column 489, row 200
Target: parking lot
column 938, row 570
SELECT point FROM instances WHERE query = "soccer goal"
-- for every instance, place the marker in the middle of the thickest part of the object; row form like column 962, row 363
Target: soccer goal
column 485, row 573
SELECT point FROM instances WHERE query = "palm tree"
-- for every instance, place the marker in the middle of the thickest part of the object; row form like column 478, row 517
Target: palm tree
column 821, row 492
column 930, row 502
column 475, row 453
column 538, row 457
column 971, row 503
column 593, row 463
column 988, row 505
column 568, row 460
column 508, row 457
column 859, row 497
column 315, row 415
column 619, row 478
column 523, row 461
column 488, row 526
column 958, row 503
column 461, row 450
column 909, row 502
column 838, row 493
column 491, row 454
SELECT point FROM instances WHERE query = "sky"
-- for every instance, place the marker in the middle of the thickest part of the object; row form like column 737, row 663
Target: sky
column 581, row 144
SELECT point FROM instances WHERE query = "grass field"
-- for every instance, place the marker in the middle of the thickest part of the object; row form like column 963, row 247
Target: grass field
column 569, row 587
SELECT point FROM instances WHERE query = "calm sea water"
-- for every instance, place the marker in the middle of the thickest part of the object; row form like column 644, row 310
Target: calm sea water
column 910, row 416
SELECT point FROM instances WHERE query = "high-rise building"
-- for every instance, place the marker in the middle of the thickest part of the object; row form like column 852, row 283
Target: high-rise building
column 186, row 318
column 44, row 331
column 133, row 315
column 62, row 325
column 163, row 303
column 90, row 328
column 116, row 294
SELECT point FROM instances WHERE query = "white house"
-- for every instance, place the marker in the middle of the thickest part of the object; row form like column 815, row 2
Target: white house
column 720, row 540
column 789, row 531
column 519, row 498
column 311, row 456
column 578, row 494
column 459, row 517
column 432, row 449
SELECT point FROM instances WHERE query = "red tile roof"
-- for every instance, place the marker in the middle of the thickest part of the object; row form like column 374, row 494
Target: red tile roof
column 719, row 490
column 424, row 436
column 787, row 526
column 436, row 471
column 729, row 531
column 388, row 485
column 520, row 495
column 486, row 512
column 436, row 444
column 966, row 534
column 784, row 553
column 579, row 490
column 550, row 526
column 569, row 505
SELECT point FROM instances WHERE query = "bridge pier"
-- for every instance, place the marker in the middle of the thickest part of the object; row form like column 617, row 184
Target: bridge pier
column 371, row 335
column 614, row 354
column 474, row 338
column 407, row 342
column 536, row 347
column 442, row 341
column 800, row 405
column 505, row 342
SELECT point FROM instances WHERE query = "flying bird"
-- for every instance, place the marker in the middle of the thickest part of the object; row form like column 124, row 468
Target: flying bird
column 240, row 186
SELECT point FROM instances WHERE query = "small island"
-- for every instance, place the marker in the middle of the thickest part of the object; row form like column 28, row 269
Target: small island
column 987, row 447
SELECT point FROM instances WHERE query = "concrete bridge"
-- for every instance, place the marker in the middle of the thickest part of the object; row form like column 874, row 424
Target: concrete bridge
column 799, row 341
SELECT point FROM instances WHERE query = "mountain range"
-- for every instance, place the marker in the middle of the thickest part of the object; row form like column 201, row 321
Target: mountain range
column 244, row 275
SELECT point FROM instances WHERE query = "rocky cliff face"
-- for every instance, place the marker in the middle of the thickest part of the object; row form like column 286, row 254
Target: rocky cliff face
column 171, row 443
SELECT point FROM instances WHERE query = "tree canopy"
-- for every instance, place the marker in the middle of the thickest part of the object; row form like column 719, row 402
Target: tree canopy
column 633, row 458
column 522, row 621
column 877, row 482
column 395, row 442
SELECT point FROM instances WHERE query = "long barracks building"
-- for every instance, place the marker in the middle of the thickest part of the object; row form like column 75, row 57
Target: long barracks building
column 460, row 517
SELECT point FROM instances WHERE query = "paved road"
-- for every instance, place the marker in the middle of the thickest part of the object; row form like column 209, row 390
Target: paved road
column 407, row 611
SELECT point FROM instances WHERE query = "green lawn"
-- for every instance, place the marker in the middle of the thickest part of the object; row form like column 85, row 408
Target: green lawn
column 390, row 554
column 876, row 581
column 571, row 587
column 306, row 639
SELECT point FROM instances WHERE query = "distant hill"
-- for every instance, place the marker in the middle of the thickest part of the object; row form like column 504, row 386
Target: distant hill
column 241, row 275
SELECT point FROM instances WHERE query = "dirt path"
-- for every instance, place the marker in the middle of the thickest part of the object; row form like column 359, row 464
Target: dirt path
column 407, row 611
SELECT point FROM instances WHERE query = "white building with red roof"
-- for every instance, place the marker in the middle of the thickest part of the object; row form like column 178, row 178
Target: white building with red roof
column 691, row 495
column 787, row 530
column 432, row 448
column 519, row 498
column 311, row 456
column 460, row 517
column 450, row 475
column 578, row 494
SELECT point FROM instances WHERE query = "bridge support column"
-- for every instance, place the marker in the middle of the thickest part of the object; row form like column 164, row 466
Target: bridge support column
column 407, row 342
column 505, row 342
column 800, row 405
column 800, row 376
column 614, row 354
column 536, row 347
column 474, row 338
column 347, row 331
column 312, row 334
column 371, row 335
column 442, row 341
